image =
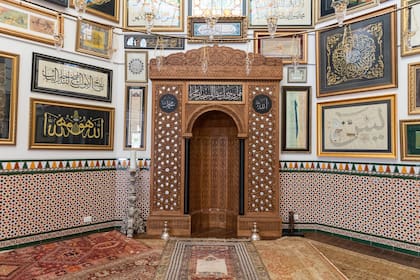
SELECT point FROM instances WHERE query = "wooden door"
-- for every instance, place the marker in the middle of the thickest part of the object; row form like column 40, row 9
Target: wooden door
column 214, row 175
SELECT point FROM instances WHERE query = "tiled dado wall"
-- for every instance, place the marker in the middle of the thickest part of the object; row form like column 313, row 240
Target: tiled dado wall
column 41, row 200
column 378, row 204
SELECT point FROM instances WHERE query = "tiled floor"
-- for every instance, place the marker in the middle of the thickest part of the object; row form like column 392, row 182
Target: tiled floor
column 365, row 249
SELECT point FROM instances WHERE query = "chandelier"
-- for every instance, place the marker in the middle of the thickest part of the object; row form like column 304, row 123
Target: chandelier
column 147, row 13
column 340, row 9
column 272, row 18
column 212, row 16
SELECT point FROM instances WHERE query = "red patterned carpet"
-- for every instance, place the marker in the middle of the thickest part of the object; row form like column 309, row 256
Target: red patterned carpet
column 84, row 257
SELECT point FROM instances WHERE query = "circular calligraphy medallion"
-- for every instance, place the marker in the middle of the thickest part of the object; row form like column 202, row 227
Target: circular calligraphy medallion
column 168, row 103
column 136, row 66
column 261, row 104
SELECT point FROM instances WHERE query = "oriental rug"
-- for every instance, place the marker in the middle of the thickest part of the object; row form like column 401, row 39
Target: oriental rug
column 210, row 259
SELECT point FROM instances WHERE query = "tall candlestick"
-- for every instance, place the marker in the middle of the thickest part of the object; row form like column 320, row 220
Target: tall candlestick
column 133, row 160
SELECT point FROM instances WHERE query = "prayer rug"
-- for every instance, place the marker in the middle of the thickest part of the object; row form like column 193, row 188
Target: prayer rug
column 210, row 259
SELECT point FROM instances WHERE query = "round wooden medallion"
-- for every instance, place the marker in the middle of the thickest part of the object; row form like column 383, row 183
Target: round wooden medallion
column 168, row 103
column 261, row 103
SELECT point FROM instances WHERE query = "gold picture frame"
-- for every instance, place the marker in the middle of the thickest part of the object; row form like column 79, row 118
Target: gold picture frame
column 166, row 19
column 363, row 127
column 109, row 9
column 31, row 22
column 135, row 117
column 282, row 45
column 410, row 139
column 70, row 126
column 410, row 27
column 94, row 38
column 9, row 78
column 228, row 29
column 414, row 88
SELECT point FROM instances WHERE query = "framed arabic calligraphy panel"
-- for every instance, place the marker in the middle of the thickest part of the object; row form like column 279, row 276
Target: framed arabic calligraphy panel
column 291, row 14
column 94, row 38
column 136, row 64
column 410, row 139
column 9, row 74
column 363, row 127
column 108, row 9
column 169, row 15
column 410, row 27
column 30, row 22
column 70, row 78
column 364, row 59
column 135, row 117
column 325, row 11
column 59, row 125
column 204, row 93
column 296, row 125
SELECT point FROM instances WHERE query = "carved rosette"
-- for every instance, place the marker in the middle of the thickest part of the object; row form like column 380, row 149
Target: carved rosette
column 262, row 156
column 167, row 148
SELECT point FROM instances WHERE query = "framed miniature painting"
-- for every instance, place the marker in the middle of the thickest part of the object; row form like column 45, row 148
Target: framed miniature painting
column 296, row 125
column 359, row 56
column 410, row 139
column 363, row 127
column 168, row 15
column 9, row 80
column 59, row 76
column 414, row 88
column 285, row 44
column 94, row 38
column 290, row 14
column 22, row 19
column 135, row 117
column 410, row 27
column 60, row 125
column 136, row 63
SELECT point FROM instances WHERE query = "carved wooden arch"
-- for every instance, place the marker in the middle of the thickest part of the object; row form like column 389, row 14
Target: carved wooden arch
column 239, row 122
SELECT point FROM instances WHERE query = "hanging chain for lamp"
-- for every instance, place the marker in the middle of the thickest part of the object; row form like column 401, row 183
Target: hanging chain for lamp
column 249, row 59
column 296, row 51
column 205, row 60
column 159, row 53
column 348, row 43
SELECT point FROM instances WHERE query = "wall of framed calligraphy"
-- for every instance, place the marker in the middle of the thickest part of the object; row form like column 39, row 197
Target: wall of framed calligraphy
column 59, row 125
column 70, row 78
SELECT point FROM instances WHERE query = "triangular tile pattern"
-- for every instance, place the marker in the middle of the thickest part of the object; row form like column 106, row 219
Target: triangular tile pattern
column 378, row 169
column 60, row 165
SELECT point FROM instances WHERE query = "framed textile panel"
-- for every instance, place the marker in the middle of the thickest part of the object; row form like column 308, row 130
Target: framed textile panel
column 360, row 56
column 9, row 80
column 363, row 127
column 60, row 125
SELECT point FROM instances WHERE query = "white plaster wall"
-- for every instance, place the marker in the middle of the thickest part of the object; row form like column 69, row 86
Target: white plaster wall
column 25, row 48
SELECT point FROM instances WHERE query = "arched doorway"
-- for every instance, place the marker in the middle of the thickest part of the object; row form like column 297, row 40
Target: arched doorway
column 214, row 176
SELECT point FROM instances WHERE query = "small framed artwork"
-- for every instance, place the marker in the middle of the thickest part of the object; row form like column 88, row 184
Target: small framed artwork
column 297, row 74
column 225, row 8
column 357, row 57
column 410, row 139
column 60, row 125
column 291, row 14
column 135, row 117
column 296, row 125
column 143, row 41
column 94, row 38
column 168, row 15
column 9, row 80
column 363, row 127
column 136, row 63
column 326, row 12
column 109, row 9
column 231, row 29
column 410, row 27
column 285, row 44
column 22, row 19
column 414, row 88
column 59, row 76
